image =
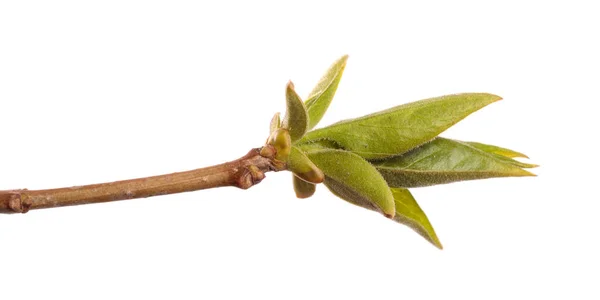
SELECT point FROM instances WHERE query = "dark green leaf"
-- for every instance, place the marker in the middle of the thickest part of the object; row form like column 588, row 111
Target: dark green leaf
column 444, row 161
column 402, row 128
column 356, row 176
column 319, row 99
column 296, row 115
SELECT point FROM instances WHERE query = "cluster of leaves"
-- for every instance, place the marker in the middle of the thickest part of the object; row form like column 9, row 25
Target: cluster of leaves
column 371, row 161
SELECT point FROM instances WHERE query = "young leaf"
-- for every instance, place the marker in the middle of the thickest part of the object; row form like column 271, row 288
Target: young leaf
column 409, row 213
column 319, row 99
column 302, row 188
column 355, row 175
column 275, row 123
column 296, row 115
column 502, row 154
column 496, row 150
column 444, row 161
column 401, row 128
column 281, row 141
column 303, row 167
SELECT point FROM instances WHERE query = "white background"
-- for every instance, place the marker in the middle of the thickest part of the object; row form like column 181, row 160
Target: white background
column 94, row 92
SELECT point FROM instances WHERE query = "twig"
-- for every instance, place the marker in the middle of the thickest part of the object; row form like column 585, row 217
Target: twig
column 243, row 173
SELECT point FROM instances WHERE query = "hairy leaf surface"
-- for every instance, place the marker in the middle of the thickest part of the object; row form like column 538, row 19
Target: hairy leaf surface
column 355, row 175
column 444, row 161
column 303, row 167
column 320, row 97
column 296, row 115
column 399, row 129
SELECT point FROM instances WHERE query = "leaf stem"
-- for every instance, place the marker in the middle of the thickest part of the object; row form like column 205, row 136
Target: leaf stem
column 242, row 173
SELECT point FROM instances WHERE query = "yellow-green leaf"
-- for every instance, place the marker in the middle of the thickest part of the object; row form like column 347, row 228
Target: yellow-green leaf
column 399, row 129
column 299, row 164
column 320, row 97
column 357, row 175
column 281, row 141
column 296, row 115
column 503, row 154
column 409, row 213
column 444, row 161
column 302, row 188
column 496, row 150
column 275, row 123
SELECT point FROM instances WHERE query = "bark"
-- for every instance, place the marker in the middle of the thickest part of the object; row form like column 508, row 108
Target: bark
column 242, row 173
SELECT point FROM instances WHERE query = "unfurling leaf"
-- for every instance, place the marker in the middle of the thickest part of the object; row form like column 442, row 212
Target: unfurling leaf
column 275, row 123
column 320, row 97
column 444, row 161
column 352, row 174
column 299, row 164
column 402, row 128
column 302, row 188
column 296, row 115
column 409, row 213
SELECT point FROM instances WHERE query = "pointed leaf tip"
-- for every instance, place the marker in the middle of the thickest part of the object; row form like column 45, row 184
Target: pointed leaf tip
column 409, row 213
column 296, row 115
column 444, row 161
column 497, row 150
column 320, row 97
column 275, row 123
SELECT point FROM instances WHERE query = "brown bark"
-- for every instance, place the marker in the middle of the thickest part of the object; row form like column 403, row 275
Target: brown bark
column 243, row 173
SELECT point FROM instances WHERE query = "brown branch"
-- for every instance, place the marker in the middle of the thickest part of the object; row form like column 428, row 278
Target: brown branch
column 243, row 173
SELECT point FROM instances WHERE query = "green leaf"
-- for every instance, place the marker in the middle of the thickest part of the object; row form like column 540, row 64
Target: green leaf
column 410, row 214
column 496, row 150
column 302, row 188
column 296, row 115
column 444, row 161
column 408, row 211
column 319, row 145
column 401, row 128
column 356, row 176
column 320, row 97
column 303, row 167
column 503, row 154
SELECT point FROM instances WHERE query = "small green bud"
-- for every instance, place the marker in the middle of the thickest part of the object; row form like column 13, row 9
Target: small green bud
column 280, row 139
column 275, row 123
